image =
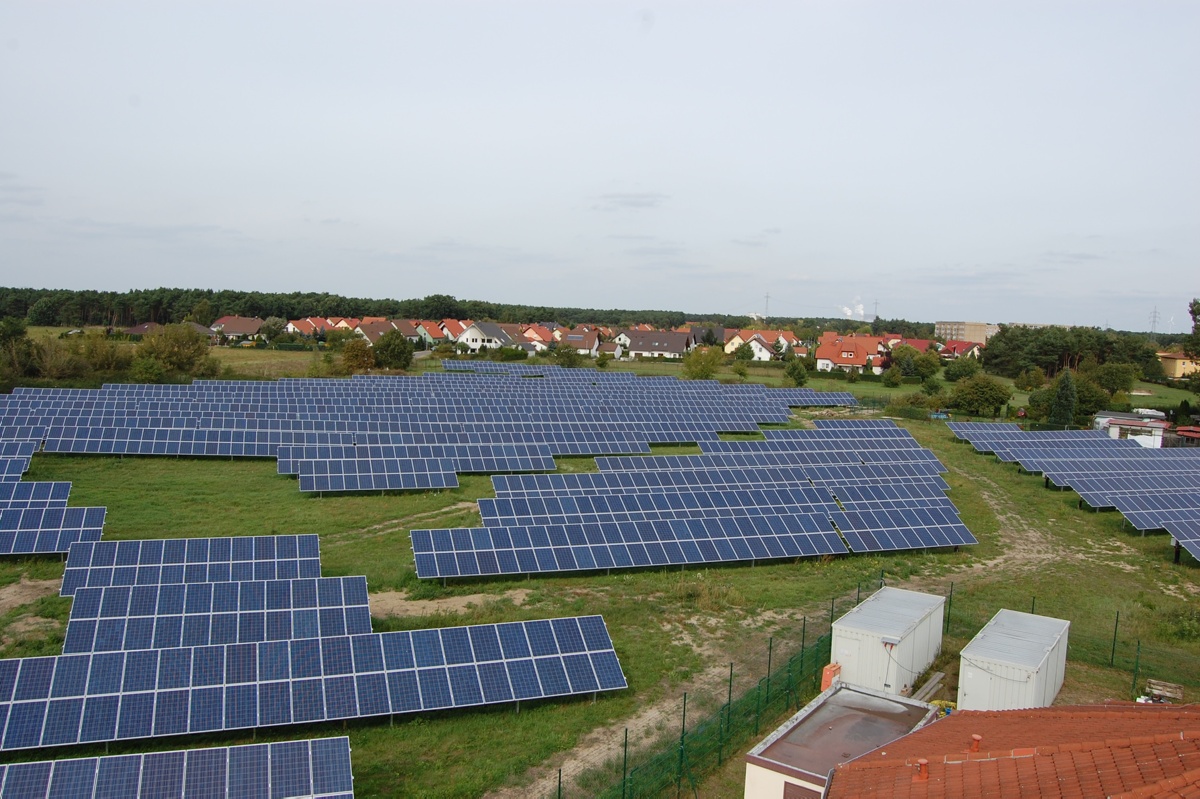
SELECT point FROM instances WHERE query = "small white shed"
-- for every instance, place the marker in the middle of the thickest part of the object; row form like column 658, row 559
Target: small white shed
column 888, row 640
column 1016, row 661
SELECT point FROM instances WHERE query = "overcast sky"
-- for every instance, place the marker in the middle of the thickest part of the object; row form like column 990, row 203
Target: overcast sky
column 989, row 161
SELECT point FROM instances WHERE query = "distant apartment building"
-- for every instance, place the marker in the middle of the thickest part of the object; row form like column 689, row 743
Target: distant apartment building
column 965, row 331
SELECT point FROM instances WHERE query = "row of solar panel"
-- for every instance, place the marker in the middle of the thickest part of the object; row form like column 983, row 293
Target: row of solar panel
column 118, row 695
column 191, row 560
column 19, row 495
column 285, row 770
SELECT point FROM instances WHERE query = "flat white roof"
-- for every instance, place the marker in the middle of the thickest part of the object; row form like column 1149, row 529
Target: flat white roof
column 890, row 611
column 1015, row 638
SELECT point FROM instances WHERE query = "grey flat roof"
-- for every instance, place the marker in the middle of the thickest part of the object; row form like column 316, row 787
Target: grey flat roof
column 1016, row 638
column 841, row 724
column 890, row 611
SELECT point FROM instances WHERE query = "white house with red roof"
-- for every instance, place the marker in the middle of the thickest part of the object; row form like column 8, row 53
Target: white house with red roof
column 954, row 349
column 850, row 353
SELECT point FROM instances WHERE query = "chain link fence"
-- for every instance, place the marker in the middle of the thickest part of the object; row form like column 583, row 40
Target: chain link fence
column 671, row 751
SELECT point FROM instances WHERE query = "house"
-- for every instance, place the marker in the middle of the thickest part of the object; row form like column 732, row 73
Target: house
column 539, row 333
column 490, row 335
column 660, row 344
column 417, row 331
column 611, row 348
column 957, row 348
column 236, row 327
column 1176, row 365
column 584, row 342
column 850, row 353
column 344, row 322
column 452, row 328
column 1117, row 749
column 142, row 329
column 776, row 341
column 310, row 326
column 373, row 331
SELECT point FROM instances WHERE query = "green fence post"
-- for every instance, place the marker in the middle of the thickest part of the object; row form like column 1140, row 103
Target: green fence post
column 881, row 578
column 1033, row 605
column 832, row 600
column 625, row 765
column 770, row 651
column 757, row 704
column 682, row 733
column 1137, row 665
column 803, row 635
column 1112, row 658
column 858, row 595
column 949, row 604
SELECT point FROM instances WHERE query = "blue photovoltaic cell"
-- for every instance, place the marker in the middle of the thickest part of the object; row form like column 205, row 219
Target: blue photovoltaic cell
column 292, row 769
column 191, row 560
column 199, row 614
column 122, row 695
column 43, row 530
column 22, row 495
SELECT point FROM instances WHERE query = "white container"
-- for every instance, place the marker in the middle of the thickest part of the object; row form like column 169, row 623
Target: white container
column 888, row 640
column 1016, row 661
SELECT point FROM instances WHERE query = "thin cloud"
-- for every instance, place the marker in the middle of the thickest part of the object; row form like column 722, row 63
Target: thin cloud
column 627, row 201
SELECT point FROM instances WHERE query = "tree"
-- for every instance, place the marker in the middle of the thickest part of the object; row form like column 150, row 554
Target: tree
column 962, row 368
column 568, row 357
column 43, row 313
column 702, row 363
column 741, row 370
column 178, row 348
column 1062, row 407
column 1030, row 379
column 603, row 359
column 744, row 352
column 202, row 313
column 893, row 377
column 272, row 328
column 979, row 395
column 393, row 350
column 357, row 355
column 931, row 386
column 796, row 372
column 1114, row 377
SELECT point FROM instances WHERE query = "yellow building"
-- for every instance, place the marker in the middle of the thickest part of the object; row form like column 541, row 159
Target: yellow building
column 1176, row 364
column 965, row 331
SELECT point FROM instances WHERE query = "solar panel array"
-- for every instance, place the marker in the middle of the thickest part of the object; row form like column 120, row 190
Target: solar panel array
column 748, row 500
column 1155, row 489
column 200, row 614
column 105, row 696
column 377, row 433
column 316, row 769
column 190, row 560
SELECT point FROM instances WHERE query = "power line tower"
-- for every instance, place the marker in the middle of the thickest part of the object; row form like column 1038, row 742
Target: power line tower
column 767, row 307
column 1154, row 319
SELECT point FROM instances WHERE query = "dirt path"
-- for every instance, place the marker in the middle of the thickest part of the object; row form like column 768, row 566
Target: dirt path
column 397, row 603
column 25, row 591
column 400, row 525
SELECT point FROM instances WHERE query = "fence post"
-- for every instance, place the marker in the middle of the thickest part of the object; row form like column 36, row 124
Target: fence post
column 1112, row 659
column 770, row 651
column 949, row 604
column 881, row 578
column 682, row 733
column 858, row 595
column 832, row 600
column 560, row 784
column 1137, row 666
column 625, row 765
column 803, row 635
column 757, row 704
column 1033, row 605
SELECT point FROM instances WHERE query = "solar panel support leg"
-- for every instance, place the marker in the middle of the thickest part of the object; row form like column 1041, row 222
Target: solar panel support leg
column 1178, row 550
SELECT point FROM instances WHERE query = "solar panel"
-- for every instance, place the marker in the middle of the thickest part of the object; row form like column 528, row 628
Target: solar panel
column 108, row 696
column 460, row 552
column 190, row 560
column 199, row 614
column 11, row 469
column 377, row 474
column 288, row 770
column 34, row 495
column 42, row 530
column 909, row 528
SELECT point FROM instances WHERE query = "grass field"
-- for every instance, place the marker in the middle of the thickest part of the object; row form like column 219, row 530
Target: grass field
column 674, row 630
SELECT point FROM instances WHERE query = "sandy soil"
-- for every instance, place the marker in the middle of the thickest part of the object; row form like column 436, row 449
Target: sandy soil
column 26, row 591
column 397, row 603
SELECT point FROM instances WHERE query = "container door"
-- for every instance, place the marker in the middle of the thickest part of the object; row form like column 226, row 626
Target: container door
column 847, row 656
column 974, row 688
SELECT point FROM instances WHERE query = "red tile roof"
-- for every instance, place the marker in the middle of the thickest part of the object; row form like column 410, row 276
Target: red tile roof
column 1097, row 750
